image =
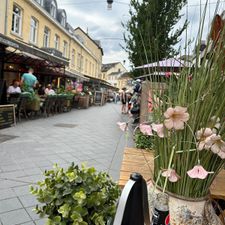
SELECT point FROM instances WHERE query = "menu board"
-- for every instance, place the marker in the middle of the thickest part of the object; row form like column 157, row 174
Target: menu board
column 98, row 97
column 7, row 116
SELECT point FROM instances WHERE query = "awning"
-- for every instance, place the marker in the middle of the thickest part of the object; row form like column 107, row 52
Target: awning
column 167, row 63
column 101, row 82
column 26, row 48
column 43, row 66
column 74, row 74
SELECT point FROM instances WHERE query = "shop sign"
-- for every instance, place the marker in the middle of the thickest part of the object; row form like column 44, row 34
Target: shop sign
column 7, row 116
column 8, row 42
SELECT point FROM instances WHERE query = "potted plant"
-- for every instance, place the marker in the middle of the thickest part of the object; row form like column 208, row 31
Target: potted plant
column 76, row 195
column 83, row 100
column 188, row 126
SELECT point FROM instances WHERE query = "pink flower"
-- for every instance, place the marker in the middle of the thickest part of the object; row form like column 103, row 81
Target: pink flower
column 215, row 123
column 198, row 172
column 203, row 136
column 221, row 154
column 146, row 129
column 159, row 128
column 217, row 144
column 171, row 174
column 123, row 126
column 176, row 117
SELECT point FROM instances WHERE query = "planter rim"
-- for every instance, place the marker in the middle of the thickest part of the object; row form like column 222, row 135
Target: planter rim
column 204, row 198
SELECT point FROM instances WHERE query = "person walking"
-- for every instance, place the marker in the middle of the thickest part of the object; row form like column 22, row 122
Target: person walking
column 29, row 80
column 123, row 101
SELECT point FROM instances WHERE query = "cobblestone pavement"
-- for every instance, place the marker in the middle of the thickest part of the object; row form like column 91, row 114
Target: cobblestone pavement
column 89, row 135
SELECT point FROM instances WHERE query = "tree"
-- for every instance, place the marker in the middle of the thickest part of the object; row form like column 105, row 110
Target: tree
column 150, row 34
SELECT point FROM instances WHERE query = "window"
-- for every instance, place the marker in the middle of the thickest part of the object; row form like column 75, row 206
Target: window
column 63, row 20
column 46, row 37
column 90, row 68
column 53, row 9
column 73, row 58
column 16, row 20
column 82, row 63
column 78, row 60
column 33, row 30
column 65, row 46
column 39, row 2
column 86, row 65
column 118, row 70
column 56, row 42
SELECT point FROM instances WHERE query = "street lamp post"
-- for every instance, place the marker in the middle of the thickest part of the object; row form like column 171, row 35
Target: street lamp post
column 110, row 2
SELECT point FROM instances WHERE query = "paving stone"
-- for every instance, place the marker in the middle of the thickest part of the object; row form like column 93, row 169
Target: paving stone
column 20, row 191
column 28, row 223
column 9, row 168
column 40, row 222
column 13, row 174
column 32, row 171
column 96, row 140
column 28, row 200
column 9, row 205
column 6, row 193
column 15, row 217
column 10, row 184
column 32, row 213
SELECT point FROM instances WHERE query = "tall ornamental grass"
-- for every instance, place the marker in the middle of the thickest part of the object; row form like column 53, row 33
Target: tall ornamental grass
column 188, row 122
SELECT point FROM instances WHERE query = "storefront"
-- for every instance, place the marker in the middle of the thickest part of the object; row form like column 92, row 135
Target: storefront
column 16, row 57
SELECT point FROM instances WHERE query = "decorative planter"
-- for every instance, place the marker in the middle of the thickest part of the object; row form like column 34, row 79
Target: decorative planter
column 33, row 105
column 83, row 102
column 185, row 211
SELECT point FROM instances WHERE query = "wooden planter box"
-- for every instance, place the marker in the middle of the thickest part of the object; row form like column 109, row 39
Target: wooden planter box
column 83, row 102
column 33, row 105
column 137, row 160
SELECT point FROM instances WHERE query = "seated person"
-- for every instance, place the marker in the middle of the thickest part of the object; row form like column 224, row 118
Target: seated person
column 14, row 88
column 49, row 90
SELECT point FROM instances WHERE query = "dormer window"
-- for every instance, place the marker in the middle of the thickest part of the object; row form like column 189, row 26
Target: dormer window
column 39, row 2
column 63, row 20
column 53, row 9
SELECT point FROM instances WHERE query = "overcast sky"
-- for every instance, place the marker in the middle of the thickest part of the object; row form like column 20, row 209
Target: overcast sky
column 105, row 25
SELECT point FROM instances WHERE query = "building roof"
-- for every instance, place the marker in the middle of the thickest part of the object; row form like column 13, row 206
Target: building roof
column 115, row 73
column 108, row 66
column 94, row 41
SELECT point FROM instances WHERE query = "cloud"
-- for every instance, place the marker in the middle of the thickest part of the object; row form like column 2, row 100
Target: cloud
column 102, row 24
column 106, row 25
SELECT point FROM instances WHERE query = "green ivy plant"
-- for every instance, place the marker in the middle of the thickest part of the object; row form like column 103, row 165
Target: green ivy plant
column 76, row 196
column 143, row 141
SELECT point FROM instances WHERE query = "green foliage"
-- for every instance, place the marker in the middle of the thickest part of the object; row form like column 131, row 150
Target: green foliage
column 76, row 196
column 143, row 141
column 149, row 35
column 204, row 97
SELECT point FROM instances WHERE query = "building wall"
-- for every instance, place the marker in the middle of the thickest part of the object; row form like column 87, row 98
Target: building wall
column 113, row 79
column 2, row 16
column 117, row 68
column 28, row 11
column 122, row 82
column 95, row 50
column 31, row 9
